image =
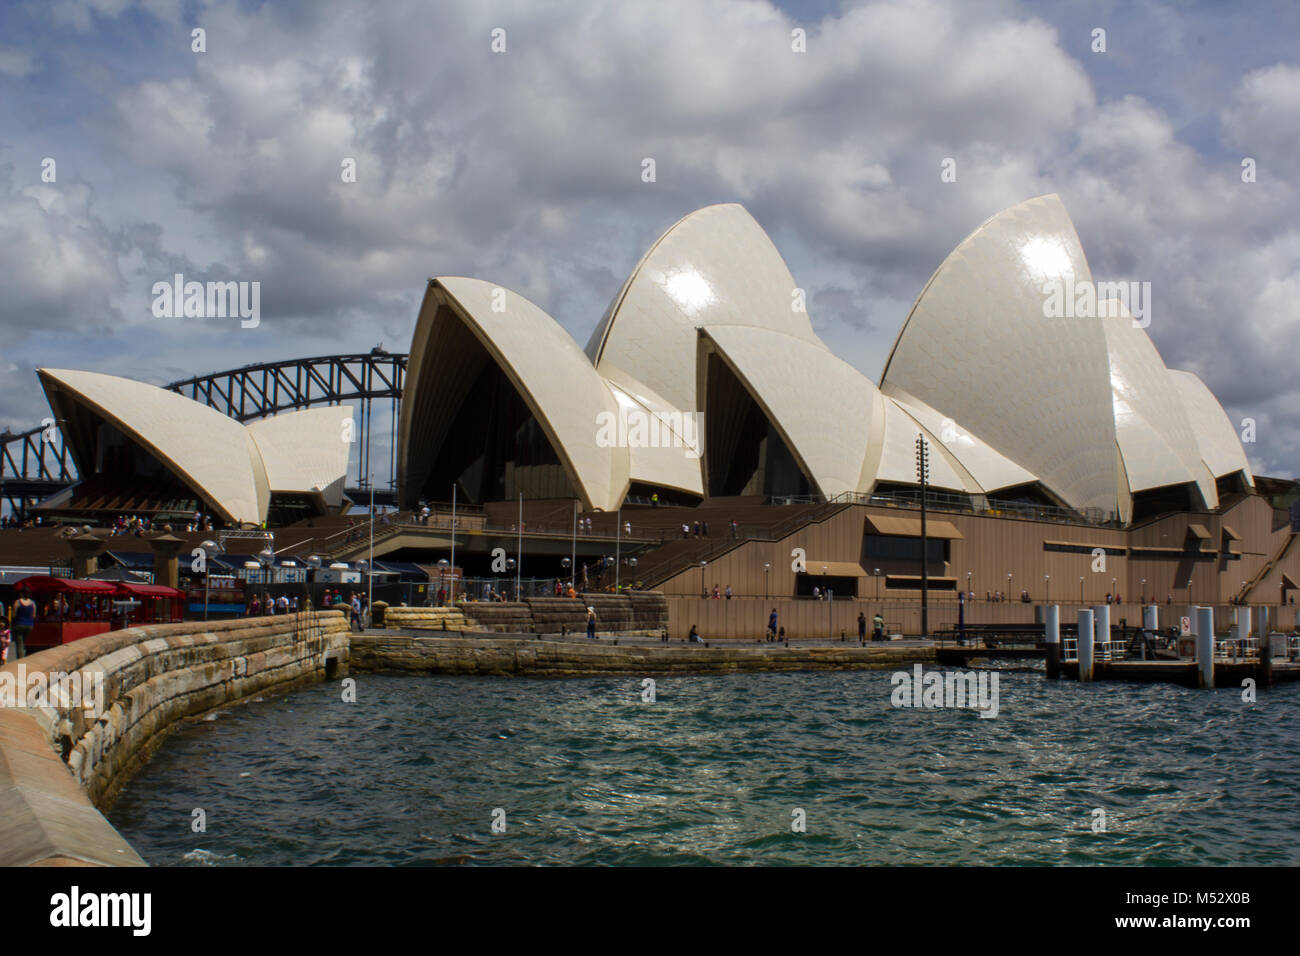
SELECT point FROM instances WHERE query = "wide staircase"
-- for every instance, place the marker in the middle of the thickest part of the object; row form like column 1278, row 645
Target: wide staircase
column 757, row 522
column 1264, row 571
column 643, row 613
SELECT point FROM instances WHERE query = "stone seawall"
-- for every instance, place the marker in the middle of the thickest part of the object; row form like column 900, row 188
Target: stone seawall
column 60, row 761
column 474, row 654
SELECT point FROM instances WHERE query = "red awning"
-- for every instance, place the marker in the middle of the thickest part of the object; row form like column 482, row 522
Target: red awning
column 43, row 584
column 149, row 590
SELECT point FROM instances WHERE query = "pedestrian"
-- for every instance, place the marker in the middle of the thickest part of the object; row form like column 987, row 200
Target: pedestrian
column 696, row 529
column 5, row 641
column 862, row 627
column 771, row 625
column 877, row 627
column 728, row 592
column 735, row 529
column 654, row 500
column 627, row 529
column 716, row 594
column 704, row 529
column 591, row 624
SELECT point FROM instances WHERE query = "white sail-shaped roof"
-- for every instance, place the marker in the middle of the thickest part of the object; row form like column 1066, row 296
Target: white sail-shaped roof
column 819, row 403
column 667, row 450
column 1155, row 436
column 714, row 267
column 987, row 470
column 306, row 451
column 213, row 454
column 979, row 347
column 1217, row 439
column 545, row 366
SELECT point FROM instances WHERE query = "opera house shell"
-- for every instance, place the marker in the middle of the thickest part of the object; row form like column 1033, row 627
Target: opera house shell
column 708, row 343
column 126, row 436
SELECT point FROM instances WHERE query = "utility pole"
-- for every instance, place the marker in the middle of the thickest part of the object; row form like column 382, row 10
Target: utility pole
column 370, row 565
column 923, row 476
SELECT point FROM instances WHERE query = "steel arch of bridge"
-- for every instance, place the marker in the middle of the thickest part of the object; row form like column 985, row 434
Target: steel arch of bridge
column 35, row 463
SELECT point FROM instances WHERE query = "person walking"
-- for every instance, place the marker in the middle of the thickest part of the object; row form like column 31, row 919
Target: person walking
column 771, row 625
column 24, row 619
column 862, row 627
column 591, row 624
column 877, row 627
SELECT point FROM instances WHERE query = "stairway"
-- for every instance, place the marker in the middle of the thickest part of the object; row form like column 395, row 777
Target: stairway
column 1268, row 567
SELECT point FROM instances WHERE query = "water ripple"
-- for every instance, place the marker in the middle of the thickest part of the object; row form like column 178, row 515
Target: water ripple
column 718, row 769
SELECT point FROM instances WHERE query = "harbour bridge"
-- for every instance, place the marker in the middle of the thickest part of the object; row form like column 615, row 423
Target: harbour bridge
column 35, row 463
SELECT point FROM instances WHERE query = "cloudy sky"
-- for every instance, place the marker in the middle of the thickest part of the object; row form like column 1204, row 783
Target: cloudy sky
column 524, row 167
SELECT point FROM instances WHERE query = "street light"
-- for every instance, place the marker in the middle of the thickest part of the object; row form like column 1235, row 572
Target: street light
column 767, row 568
column 313, row 565
column 573, row 549
column 511, row 564
column 567, row 563
column 875, row 573
column 970, row 592
column 703, row 591
column 443, row 565
column 1081, row 589
column 923, row 477
column 210, row 550
column 1047, row 584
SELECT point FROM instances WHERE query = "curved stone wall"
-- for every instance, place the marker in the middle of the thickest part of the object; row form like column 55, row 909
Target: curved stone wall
column 63, row 757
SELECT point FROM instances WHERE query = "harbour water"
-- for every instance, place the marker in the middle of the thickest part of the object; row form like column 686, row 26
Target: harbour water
column 717, row 769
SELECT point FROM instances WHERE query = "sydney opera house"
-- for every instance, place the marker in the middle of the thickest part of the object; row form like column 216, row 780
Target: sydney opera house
column 1079, row 413
column 1064, row 458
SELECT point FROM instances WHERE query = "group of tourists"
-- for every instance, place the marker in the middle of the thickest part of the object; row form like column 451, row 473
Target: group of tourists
column 267, row 605
column 13, row 522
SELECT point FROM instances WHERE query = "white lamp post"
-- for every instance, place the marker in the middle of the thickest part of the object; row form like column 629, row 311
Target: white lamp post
column 210, row 550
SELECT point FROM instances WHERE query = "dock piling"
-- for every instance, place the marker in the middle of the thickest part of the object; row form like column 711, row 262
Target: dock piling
column 1205, row 647
column 1085, row 644
column 1052, row 638
column 1101, row 624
